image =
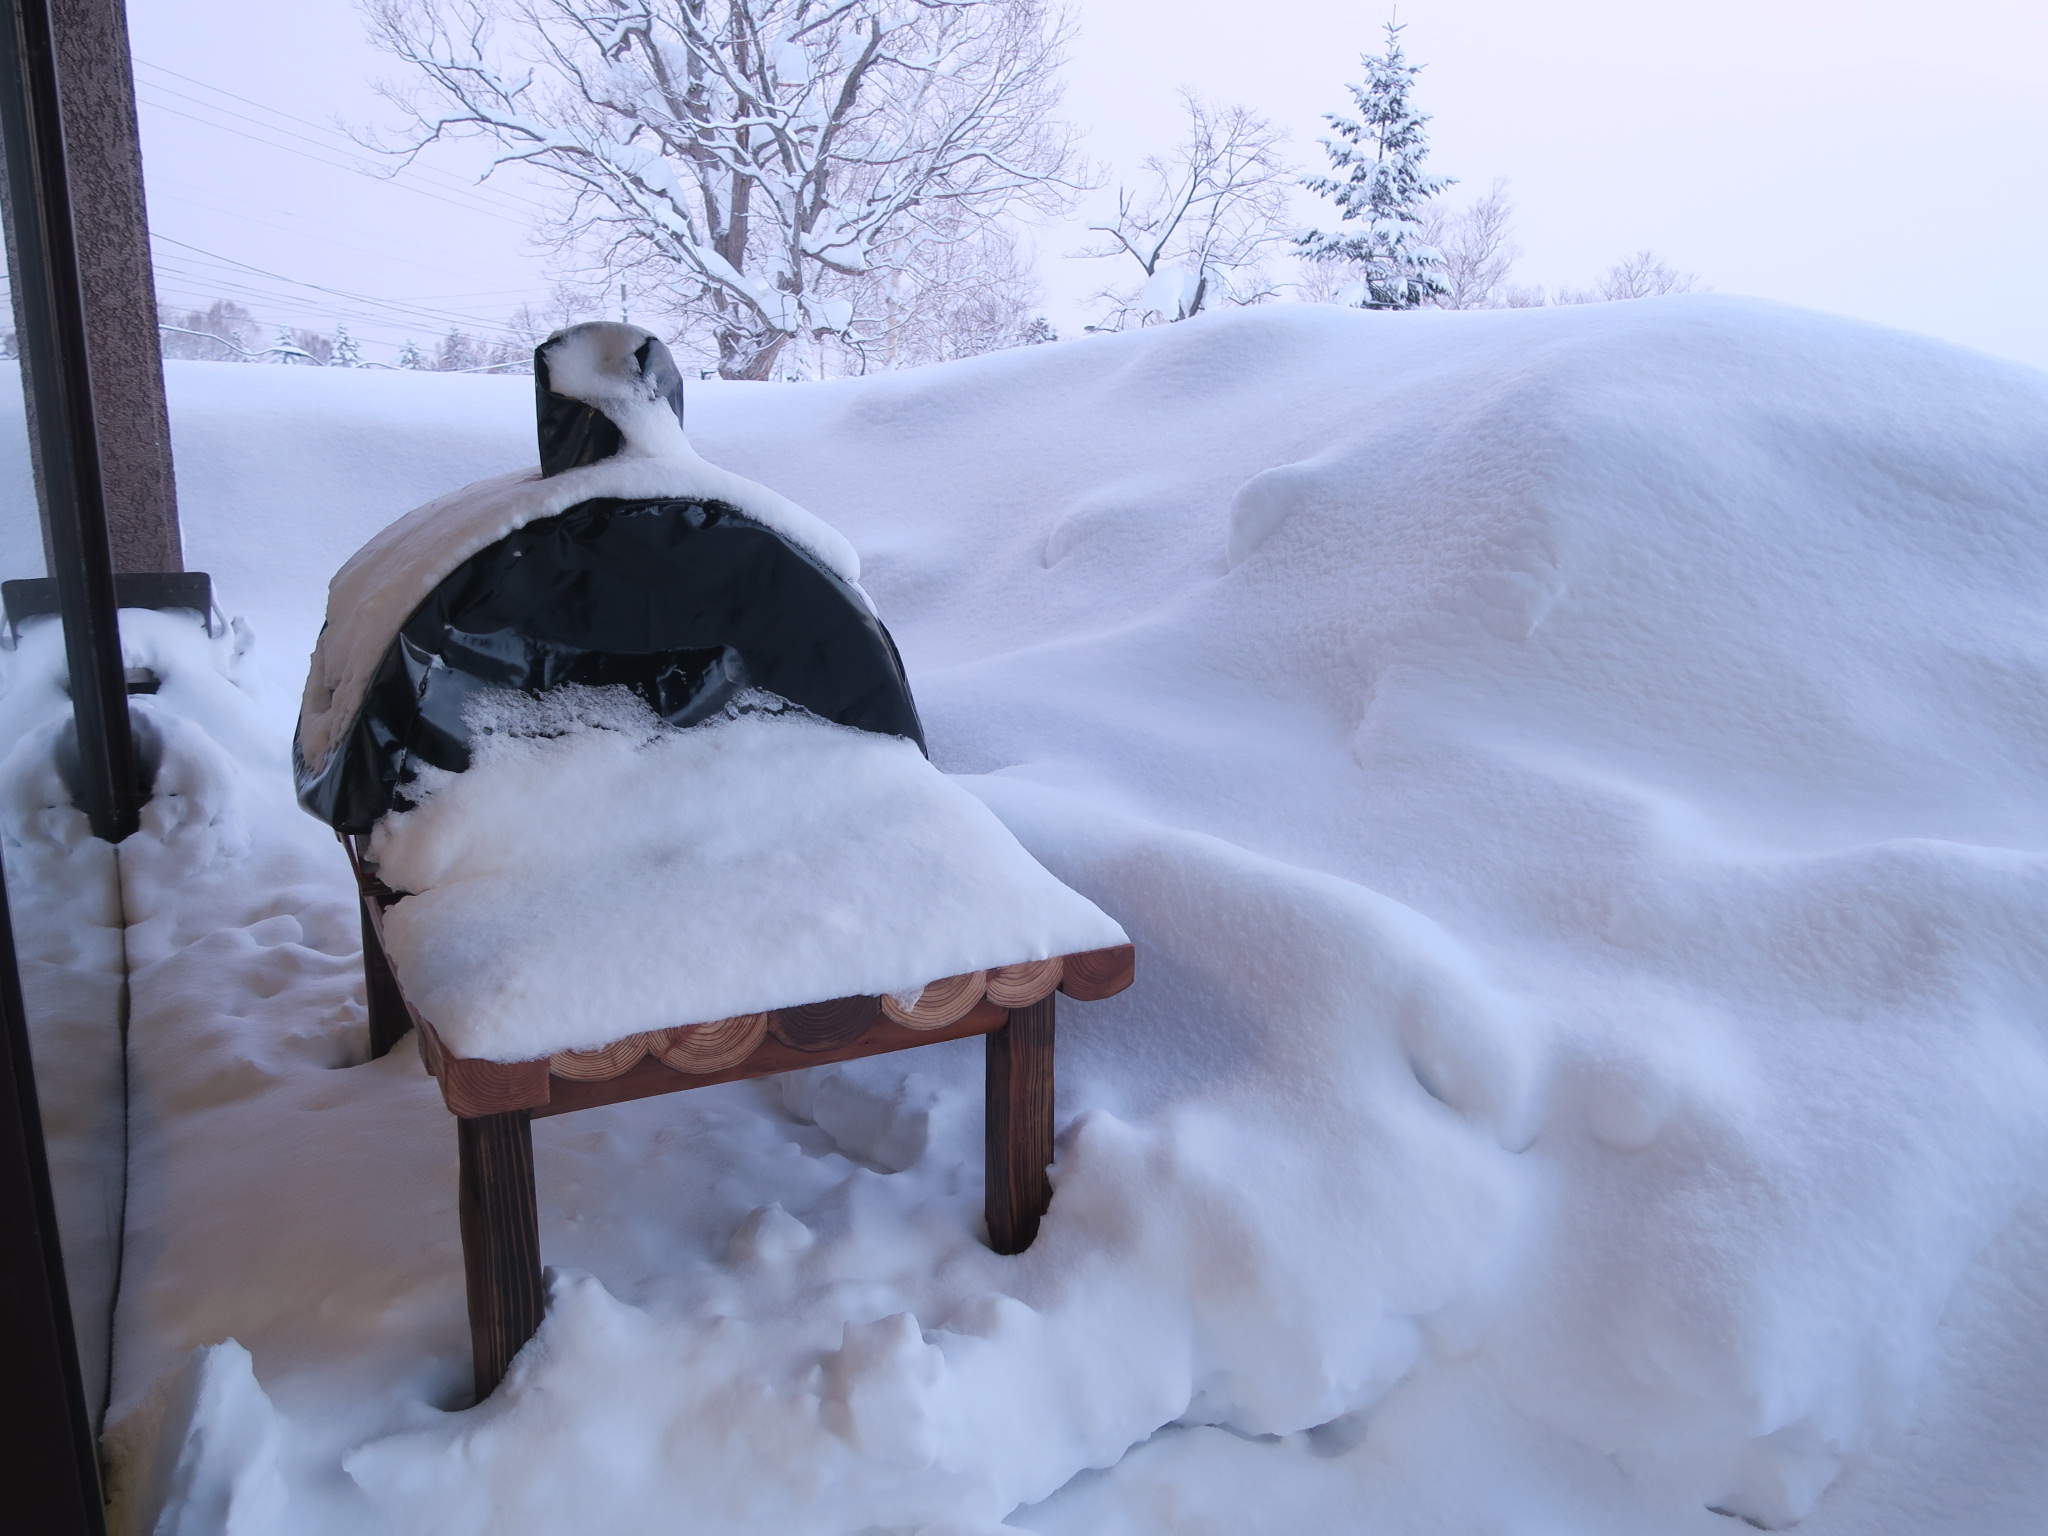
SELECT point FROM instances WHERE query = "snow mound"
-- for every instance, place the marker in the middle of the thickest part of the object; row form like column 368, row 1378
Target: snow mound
column 595, row 873
column 1579, row 780
column 373, row 595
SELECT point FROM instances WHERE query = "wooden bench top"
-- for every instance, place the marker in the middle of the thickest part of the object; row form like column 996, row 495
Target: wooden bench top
column 752, row 1045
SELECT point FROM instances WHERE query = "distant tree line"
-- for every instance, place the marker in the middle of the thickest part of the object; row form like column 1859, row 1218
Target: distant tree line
column 226, row 332
column 796, row 188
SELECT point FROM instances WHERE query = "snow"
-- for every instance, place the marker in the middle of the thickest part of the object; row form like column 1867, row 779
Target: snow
column 595, row 874
column 1575, row 779
column 64, row 901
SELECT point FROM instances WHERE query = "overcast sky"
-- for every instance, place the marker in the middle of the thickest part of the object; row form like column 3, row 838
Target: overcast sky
column 1876, row 159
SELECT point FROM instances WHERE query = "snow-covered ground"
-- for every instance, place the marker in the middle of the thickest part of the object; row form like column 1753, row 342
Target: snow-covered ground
column 1578, row 782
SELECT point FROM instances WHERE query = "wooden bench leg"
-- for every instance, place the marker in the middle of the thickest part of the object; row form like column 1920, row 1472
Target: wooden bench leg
column 388, row 1019
column 500, row 1241
column 1019, row 1126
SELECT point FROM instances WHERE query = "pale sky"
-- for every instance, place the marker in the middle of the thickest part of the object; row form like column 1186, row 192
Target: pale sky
column 1872, row 159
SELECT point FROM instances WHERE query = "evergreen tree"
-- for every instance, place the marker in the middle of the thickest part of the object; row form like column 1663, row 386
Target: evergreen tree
column 409, row 355
column 459, row 354
column 290, row 348
column 1380, row 184
column 346, row 353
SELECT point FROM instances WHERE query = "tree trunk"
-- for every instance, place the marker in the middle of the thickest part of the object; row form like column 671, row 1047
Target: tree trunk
column 742, row 357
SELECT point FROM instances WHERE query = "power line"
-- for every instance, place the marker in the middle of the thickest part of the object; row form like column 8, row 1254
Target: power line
column 481, row 199
column 415, row 167
column 325, row 241
column 209, row 275
column 196, row 290
column 421, row 312
column 403, row 186
column 225, row 276
column 533, row 292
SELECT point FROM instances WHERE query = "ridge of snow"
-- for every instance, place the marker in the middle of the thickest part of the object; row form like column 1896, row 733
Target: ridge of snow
column 372, row 596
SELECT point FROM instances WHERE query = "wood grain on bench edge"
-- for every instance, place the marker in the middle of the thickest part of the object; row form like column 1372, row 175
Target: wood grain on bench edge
column 1098, row 973
column 818, row 1029
column 650, row 1077
column 470, row 1087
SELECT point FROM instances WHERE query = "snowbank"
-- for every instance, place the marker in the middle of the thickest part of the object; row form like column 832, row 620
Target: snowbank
column 1577, row 781
column 595, row 874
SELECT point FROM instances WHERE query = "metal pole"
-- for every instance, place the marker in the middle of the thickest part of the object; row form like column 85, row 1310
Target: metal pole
column 49, row 1474
column 57, row 373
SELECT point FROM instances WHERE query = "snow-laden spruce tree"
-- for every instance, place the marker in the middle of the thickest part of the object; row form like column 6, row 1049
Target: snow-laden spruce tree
column 1379, row 185
column 1202, row 220
column 346, row 353
column 758, row 167
column 304, row 347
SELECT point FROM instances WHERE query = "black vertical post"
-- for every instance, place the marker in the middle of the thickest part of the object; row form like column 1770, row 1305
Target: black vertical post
column 49, row 1477
column 57, row 374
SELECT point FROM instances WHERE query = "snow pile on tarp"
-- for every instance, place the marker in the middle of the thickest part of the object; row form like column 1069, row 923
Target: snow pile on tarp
column 596, row 873
column 384, row 581
column 1576, row 779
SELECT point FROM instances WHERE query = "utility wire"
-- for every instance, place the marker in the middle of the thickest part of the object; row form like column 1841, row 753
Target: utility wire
column 422, row 312
column 158, row 186
column 232, row 277
column 415, row 167
column 304, row 154
column 482, row 197
column 334, row 138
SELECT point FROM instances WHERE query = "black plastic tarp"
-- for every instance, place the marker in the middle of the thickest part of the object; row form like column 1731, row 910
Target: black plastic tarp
column 688, row 603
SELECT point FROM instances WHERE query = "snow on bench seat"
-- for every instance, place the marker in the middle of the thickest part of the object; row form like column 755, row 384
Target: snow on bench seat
column 596, row 875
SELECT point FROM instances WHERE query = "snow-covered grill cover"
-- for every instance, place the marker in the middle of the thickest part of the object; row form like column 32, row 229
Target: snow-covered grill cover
column 624, row 558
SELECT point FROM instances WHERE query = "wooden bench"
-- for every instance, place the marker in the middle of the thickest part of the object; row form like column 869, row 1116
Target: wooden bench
column 495, row 1103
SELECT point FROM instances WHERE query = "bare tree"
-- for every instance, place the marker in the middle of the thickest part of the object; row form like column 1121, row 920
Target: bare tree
column 740, row 159
column 1202, row 222
column 1327, row 280
column 1477, row 248
column 218, row 333
column 1644, row 275
column 967, row 296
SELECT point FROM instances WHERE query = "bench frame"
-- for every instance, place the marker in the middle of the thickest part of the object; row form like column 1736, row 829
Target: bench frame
column 495, row 1104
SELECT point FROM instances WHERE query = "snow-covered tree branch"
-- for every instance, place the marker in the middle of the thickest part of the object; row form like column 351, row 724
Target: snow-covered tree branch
column 754, row 165
column 1201, row 222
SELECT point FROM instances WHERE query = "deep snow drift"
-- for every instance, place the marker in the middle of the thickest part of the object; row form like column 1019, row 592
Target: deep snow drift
column 1576, row 782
